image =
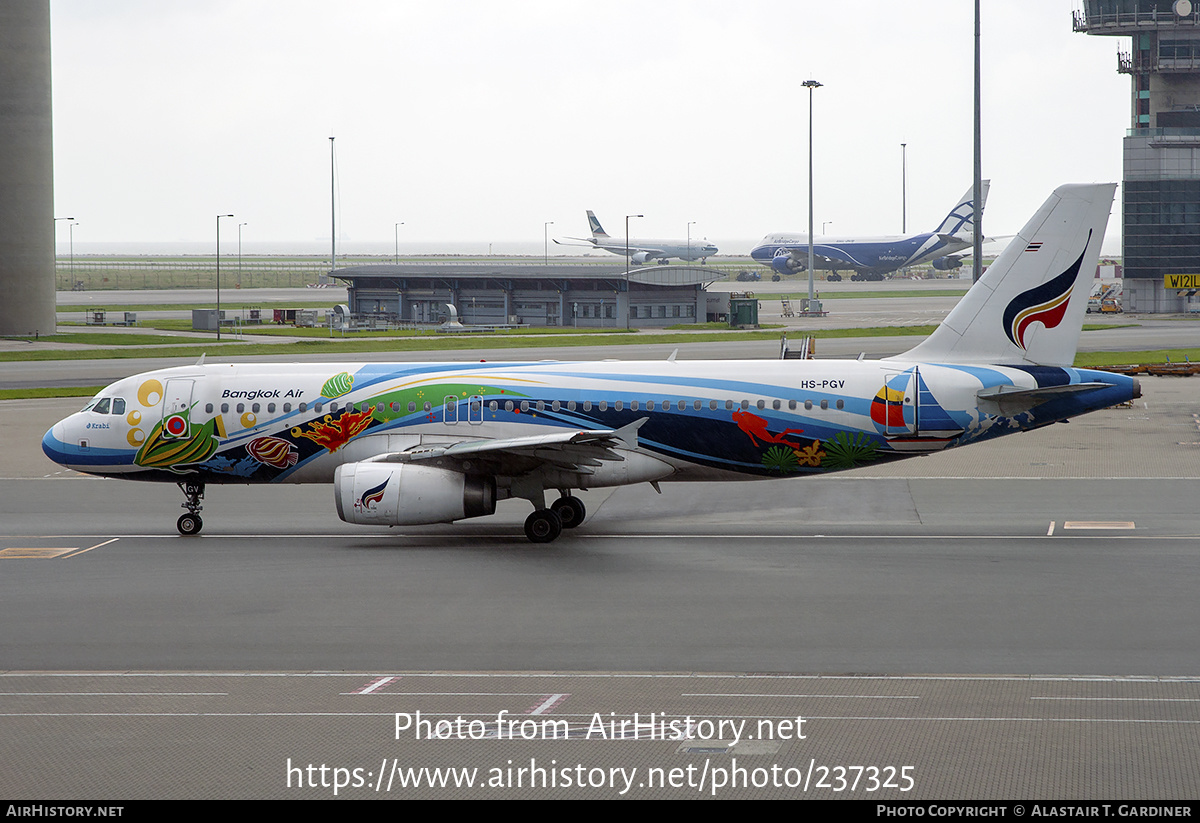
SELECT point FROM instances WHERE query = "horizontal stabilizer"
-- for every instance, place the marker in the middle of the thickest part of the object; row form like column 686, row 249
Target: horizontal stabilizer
column 1010, row 400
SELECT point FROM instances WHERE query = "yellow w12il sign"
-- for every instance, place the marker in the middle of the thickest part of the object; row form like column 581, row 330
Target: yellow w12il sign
column 1181, row 281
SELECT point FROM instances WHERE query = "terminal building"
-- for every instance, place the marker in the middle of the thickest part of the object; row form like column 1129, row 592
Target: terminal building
column 556, row 294
column 1161, row 186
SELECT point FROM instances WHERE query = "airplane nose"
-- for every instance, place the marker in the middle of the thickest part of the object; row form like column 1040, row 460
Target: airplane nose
column 52, row 443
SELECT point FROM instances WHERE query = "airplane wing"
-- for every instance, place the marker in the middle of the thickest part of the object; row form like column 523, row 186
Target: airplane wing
column 586, row 243
column 579, row 451
column 841, row 261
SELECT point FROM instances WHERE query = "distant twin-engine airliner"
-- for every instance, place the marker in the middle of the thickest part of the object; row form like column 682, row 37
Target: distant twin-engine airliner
column 643, row 251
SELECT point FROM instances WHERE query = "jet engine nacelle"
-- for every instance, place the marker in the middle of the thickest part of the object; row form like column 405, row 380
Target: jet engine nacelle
column 948, row 263
column 786, row 263
column 641, row 257
column 409, row 494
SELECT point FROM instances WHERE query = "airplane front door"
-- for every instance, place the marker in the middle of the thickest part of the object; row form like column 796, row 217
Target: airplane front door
column 176, row 408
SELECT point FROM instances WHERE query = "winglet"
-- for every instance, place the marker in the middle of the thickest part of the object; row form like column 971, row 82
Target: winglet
column 200, row 362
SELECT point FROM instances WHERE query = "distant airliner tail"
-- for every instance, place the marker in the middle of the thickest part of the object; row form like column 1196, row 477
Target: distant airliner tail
column 598, row 231
column 960, row 222
column 1028, row 307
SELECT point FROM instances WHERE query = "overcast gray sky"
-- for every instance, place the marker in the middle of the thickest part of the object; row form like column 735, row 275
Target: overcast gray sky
column 476, row 122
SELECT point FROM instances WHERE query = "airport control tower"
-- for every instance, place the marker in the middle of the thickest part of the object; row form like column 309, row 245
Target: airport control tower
column 1161, row 188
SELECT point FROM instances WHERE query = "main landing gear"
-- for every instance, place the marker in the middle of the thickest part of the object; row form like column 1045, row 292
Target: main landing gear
column 545, row 525
column 190, row 523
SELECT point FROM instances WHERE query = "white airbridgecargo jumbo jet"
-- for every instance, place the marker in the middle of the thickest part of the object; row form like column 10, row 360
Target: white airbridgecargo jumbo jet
column 411, row 444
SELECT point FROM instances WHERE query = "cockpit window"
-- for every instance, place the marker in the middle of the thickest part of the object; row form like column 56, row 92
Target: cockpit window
column 91, row 404
column 118, row 406
column 102, row 406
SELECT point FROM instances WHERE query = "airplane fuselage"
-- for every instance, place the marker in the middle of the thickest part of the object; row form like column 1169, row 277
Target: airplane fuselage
column 865, row 254
column 711, row 420
column 642, row 250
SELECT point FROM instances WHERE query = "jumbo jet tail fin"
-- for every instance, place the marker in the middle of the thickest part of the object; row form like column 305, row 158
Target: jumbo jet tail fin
column 598, row 231
column 1028, row 307
column 960, row 222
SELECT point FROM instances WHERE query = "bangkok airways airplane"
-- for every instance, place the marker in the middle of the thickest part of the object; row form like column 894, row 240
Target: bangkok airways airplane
column 412, row 444
column 872, row 257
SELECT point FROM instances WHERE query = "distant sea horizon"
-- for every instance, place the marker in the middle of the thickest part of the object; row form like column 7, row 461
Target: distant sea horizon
column 348, row 248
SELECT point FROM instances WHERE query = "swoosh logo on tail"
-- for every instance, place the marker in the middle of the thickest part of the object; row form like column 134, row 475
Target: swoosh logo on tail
column 1045, row 304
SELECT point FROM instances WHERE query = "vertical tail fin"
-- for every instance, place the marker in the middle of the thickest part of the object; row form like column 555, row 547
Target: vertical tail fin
column 960, row 222
column 1028, row 307
column 598, row 231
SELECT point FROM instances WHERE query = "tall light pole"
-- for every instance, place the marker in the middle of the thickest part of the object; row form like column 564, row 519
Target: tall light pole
column 904, row 188
column 332, row 214
column 240, row 253
column 396, row 259
column 823, row 225
column 628, row 293
column 689, row 228
column 977, row 251
column 810, row 85
column 546, row 242
column 219, row 216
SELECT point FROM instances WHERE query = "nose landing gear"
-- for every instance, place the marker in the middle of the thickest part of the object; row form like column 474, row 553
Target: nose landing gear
column 190, row 523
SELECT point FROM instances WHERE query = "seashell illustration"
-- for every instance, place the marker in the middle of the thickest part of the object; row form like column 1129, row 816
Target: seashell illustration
column 337, row 385
column 273, row 451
